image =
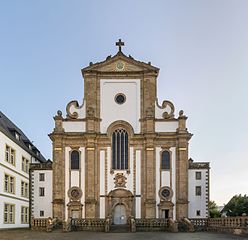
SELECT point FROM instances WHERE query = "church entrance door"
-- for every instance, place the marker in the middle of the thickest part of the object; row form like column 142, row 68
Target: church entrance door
column 120, row 216
column 75, row 214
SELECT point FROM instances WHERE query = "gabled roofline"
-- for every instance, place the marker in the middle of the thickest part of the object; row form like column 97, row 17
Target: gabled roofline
column 93, row 67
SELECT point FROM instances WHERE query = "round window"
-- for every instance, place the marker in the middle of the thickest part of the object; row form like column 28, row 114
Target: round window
column 120, row 98
column 165, row 193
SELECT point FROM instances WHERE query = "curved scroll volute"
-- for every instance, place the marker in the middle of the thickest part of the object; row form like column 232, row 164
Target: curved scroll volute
column 75, row 111
column 166, row 110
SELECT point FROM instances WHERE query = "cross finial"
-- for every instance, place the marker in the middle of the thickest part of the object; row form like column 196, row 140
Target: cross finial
column 119, row 44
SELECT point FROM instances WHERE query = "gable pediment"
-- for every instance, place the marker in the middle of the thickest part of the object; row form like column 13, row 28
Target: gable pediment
column 120, row 63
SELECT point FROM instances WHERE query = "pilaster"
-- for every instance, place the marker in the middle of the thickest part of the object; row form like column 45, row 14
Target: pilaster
column 150, row 201
column 90, row 177
column 182, row 168
column 58, row 168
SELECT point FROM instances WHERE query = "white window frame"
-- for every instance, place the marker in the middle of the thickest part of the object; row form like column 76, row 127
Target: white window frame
column 9, row 213
column 9, row 183
column 24, row 215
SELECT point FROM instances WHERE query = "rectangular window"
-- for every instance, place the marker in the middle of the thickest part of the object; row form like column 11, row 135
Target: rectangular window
column 12, row 156
column 25, row 165
column 24, row 189
column 42, row 192
column 41, row 213
column 198, row 175
column 12, row 184
column 9, row 213
column 198, row 190
column 42, row 177
column 6, row 183
column 24, row 215
column 198, row 213
column 9, row 184
column 9, row 155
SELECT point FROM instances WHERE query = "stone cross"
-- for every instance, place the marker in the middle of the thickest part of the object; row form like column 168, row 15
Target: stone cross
column 119, row 44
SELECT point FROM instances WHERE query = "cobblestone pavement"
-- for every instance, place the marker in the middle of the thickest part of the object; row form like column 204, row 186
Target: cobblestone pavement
column 33, row 235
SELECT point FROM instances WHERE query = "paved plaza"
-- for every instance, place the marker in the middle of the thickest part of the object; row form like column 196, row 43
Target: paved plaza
column 33, row 235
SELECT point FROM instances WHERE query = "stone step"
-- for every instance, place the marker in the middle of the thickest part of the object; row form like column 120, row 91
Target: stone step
column 122, row 228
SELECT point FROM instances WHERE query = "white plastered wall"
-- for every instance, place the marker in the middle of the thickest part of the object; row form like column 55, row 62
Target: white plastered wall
column 102, row 183
column 74, row 126
column 74, row 178
column 138, row 185
column 166, row 126
column 110, row 111
column 197, row 202
column 166, row 178
column 19, row 175
column 42, row 203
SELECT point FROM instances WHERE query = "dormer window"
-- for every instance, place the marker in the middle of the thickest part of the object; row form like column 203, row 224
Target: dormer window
column 17, row 136
column 36, row 151
column 15, row 133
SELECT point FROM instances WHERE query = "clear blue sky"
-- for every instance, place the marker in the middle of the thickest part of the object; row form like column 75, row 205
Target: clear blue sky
column 201, row 48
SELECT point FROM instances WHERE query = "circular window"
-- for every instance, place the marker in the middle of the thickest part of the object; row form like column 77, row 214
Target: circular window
column 75, row 193
column 166, row 193
column 120, row 98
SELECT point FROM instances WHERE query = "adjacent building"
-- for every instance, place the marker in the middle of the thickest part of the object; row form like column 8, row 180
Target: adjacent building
column 198, row 189
column 16, row 154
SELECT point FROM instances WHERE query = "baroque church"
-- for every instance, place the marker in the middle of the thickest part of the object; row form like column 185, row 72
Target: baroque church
column 120, row 153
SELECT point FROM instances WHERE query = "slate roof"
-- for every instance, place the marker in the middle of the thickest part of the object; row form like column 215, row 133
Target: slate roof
column 8, row 128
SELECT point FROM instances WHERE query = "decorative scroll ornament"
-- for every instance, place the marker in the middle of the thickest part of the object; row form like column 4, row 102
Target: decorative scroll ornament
column 72, row 108
column 168, row 107
column 120, row 180
column 75, row 193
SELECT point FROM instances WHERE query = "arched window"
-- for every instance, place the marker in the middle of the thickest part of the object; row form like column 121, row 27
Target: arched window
column 74, row 159
column 165, row 161
column 120, row 149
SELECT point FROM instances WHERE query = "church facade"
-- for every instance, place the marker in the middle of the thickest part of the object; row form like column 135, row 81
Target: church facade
column 120, row 153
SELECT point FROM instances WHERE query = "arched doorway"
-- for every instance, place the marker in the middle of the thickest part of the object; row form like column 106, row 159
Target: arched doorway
column 120, row 206
column 120, row 215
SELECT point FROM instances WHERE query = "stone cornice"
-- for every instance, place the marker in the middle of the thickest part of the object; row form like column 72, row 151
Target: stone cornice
column 41, row 166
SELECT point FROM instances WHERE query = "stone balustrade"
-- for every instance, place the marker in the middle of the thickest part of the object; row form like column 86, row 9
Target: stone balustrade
column 39, row 223
column 88, row 224
column 230, row 222
column 151, row 224
column 237, row 225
